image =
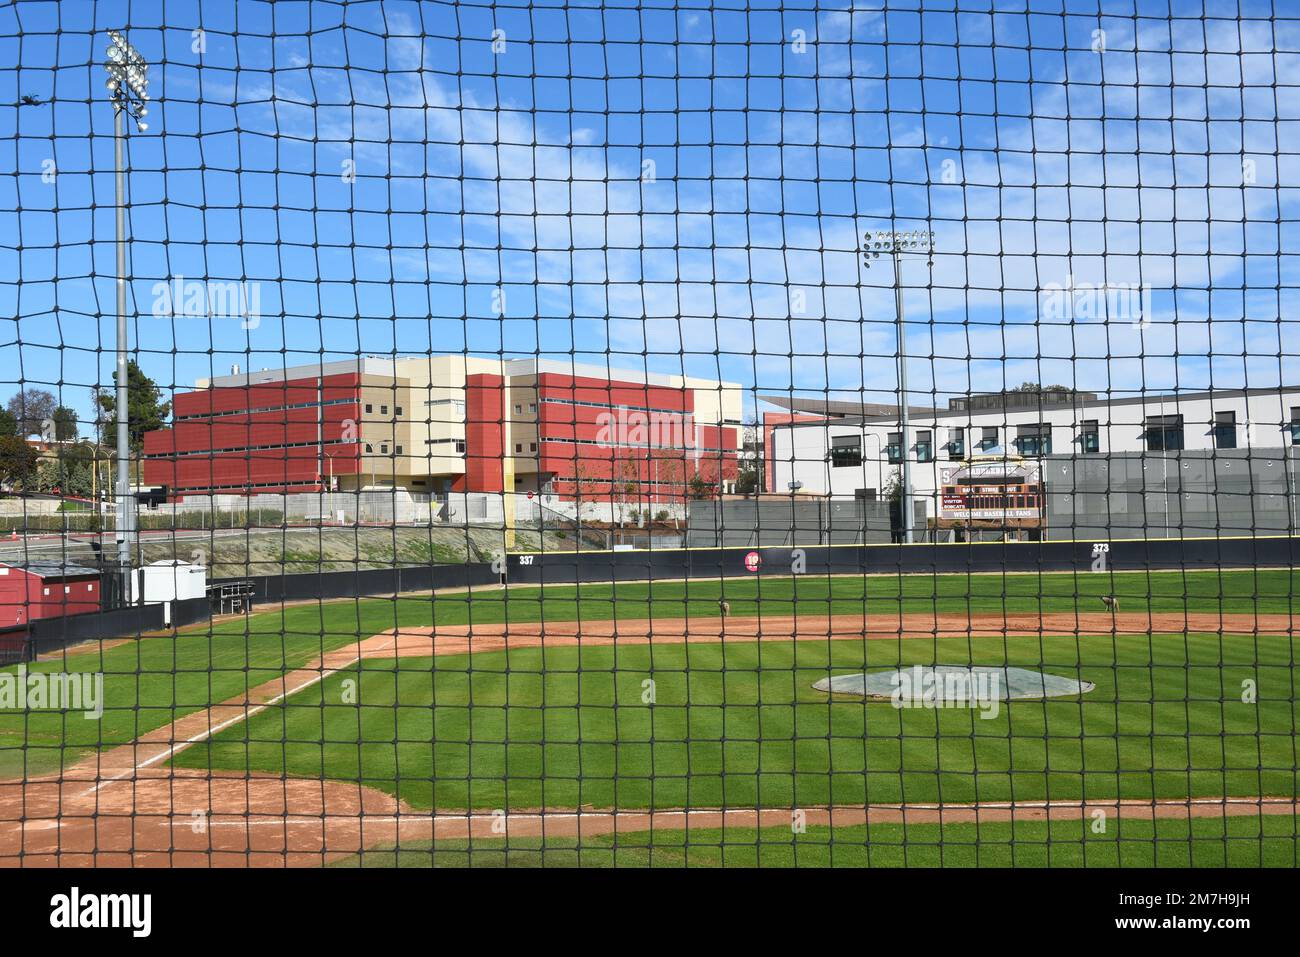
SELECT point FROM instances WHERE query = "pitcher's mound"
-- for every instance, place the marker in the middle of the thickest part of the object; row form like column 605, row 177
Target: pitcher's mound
column 963, row 681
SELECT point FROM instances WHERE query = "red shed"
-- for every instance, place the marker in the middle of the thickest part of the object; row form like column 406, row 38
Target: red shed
column 46, row 590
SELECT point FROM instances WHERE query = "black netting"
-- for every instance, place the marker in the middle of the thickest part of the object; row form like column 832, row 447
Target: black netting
column 648, row 434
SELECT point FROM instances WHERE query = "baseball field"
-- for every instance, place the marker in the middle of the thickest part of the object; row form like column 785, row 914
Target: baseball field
column 637, row 725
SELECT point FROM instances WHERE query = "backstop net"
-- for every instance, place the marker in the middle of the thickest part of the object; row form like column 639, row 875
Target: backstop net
column 652, row 433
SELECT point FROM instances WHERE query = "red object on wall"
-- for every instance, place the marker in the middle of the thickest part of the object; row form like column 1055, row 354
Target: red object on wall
column 46, row 590
column 484, row 433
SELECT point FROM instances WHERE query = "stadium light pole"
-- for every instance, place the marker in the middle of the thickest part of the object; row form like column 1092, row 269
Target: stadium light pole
column 899, row 243
column 128, row 90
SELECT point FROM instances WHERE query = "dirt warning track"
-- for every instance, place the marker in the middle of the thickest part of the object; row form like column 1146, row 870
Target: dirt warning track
column 125, row 806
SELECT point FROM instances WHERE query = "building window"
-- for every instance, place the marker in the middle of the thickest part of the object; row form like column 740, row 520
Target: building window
column 519, row 409
column 894, row 447
column 1225, row 430
column 846, row 451
column 383, row 448
column 369, row 447
column 865, row 494
column 383, row 410
column 956, row 444
column 519, row 448
column 532, row 446
column 924, row 445
column 397, row 411
column 532, row 406
column 1089, row 436
column 1034, row 439
column 397, row 450
column 459, row 443
column 1163, row 433
column 369, row 408
column 457, row 405
column 988, row 437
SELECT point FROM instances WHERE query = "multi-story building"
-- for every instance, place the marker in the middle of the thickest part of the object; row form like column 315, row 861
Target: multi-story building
column 444, row 423
column 958, row 454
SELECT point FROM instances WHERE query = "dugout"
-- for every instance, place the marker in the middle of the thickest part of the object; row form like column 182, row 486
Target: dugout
column 36, row 590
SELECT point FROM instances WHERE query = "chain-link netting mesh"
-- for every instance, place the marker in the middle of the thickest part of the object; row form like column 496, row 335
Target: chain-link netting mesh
column 648, row 433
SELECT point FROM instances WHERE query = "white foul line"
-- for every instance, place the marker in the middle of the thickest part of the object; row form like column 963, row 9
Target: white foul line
column 218, row 728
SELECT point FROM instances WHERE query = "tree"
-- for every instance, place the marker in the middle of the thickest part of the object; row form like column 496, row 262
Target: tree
column 64, row 424
column 31, row 409
column 749, row 466
column 667, row 470
column 145, row 412
column 623, row 488
column 1035, row 387
column 68, row 477
column 699, row 488
column 17, row 458
column 893, row 490
column 69, row 473
column 582, row 481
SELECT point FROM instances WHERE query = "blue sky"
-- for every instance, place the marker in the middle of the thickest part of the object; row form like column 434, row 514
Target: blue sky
column 680, row 187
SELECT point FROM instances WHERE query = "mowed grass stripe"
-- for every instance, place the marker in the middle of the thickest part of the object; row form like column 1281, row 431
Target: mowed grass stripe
column 154, row 681
column 1247, row 841
column 1249, row 591
column 739, row 725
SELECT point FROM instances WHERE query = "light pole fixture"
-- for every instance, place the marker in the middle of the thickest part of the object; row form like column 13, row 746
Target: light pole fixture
column 897, row 243
column 128, row 90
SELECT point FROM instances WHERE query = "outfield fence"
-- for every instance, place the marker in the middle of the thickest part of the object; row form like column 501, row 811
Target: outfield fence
column 918, row 559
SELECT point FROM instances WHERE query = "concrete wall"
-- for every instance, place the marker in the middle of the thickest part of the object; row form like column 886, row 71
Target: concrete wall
column 1194, row 494
column 795, row 521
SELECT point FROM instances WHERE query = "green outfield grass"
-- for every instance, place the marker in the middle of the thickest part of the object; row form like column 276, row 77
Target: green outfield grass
column 740, row 725
column 1248, row 841
column 1271, row 591
column 153, row 681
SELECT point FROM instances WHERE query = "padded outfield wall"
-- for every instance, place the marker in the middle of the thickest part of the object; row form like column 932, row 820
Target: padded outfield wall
column 922, row 558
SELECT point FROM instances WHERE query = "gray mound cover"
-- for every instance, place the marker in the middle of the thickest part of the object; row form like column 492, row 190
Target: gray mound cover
column 1011, row 683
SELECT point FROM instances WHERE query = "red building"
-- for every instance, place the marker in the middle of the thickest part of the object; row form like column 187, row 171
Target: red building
column 274, row 437
column 451, row 423
column 46, row 590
